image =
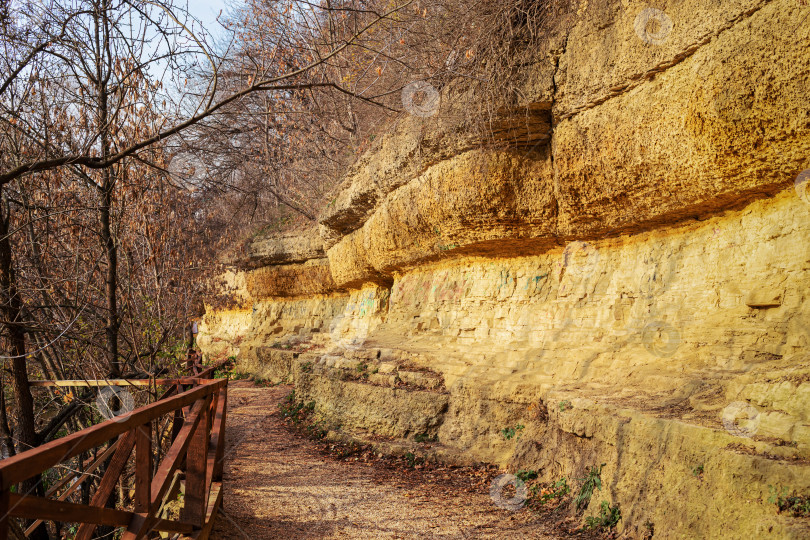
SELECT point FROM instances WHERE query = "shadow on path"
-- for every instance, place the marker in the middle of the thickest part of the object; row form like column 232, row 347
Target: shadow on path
column 278, row 485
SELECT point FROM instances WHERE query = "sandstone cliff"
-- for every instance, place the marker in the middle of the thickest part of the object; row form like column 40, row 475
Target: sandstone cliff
column 624, row 276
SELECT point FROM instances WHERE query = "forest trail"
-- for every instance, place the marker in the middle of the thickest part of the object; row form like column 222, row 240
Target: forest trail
column 280, row 485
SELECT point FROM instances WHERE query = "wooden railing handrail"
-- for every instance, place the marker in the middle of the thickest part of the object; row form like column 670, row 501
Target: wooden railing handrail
column 188, row 379
column 73, row 487
column 194, row 450
column 37, row 460
column 110, row 382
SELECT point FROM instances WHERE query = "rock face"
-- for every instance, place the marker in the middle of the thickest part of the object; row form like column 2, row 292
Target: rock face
column 626, row 280
column 269, row 249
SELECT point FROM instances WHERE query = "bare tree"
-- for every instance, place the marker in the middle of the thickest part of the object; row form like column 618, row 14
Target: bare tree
column 91, row 91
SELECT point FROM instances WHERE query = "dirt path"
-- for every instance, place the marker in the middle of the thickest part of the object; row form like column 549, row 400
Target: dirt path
column 279, row 485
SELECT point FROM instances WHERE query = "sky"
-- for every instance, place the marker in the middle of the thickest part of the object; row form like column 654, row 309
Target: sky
column 206, row 11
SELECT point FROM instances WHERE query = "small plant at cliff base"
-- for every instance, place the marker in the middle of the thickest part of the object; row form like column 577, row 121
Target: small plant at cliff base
column 291, row 412
column 240, row 376
column 543, row 494
column 262, row 382
column 608, row 517
column 412, row 460
column 795, row 505
column 526, row 475
column 301, row 417
column 424, row 437
column 361, row 367
column 342, row 451
column 565, row 405
column 317, row 430
column 593, row 480
column 306, row 367
column 509, row 433
column 289, row 400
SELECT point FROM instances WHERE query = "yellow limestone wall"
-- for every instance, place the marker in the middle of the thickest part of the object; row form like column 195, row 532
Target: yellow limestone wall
column 631, row 287
column 649, row 342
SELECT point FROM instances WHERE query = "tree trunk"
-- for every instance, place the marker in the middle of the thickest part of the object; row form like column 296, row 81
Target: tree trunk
column 107, row 186
column 14, row 333
column 5, row 430
column 111, row 253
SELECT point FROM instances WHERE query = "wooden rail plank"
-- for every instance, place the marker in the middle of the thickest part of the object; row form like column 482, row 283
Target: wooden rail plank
column 164, row 525
column 32, row 462
column 220, row 432
column 189, row 379
column 177, row 452
column 75, row 484
column 138, row 528
column 143, row 467
column 197, row 449
column 214, row 502
column 209, row 449
column 217, row 448
column 209, row 370
column 108, row 481
column 104, row 382
column 5, row 518
column 91, row 467
column 195, row 500
column 30, row 507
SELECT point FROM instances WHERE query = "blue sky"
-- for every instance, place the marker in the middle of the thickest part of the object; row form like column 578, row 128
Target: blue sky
column 207, row 10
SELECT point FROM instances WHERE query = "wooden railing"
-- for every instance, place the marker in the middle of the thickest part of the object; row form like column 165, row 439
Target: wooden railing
column 190, row 456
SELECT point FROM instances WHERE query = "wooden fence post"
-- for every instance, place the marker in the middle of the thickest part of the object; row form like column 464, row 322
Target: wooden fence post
column 143, row 467
column 177, row 421
column 194, row 503
column 4, row 513
column 219, row 431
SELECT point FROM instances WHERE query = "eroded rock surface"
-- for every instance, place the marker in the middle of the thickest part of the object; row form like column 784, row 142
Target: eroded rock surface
column 630, row 287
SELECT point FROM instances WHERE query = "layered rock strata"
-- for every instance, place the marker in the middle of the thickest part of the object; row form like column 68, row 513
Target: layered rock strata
column 629, row 287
